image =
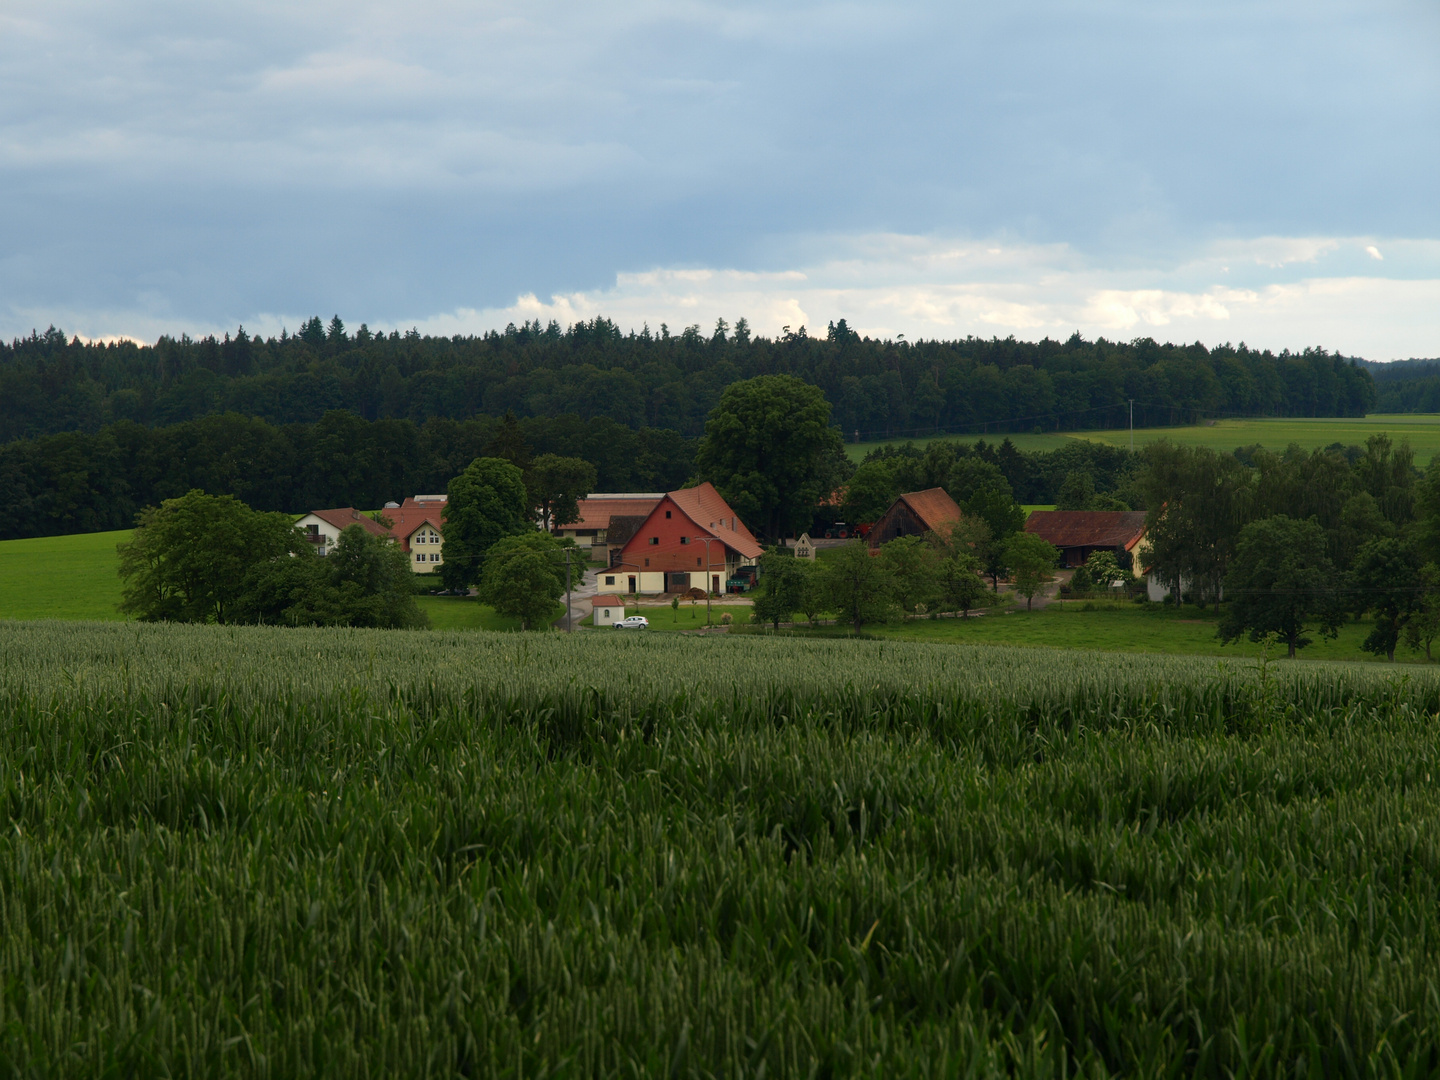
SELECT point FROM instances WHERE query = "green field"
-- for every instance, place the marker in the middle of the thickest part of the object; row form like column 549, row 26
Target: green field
column 466, row 613
column 235, row 851
column 1121, row 627
column 1421, row 429
column 61, row 577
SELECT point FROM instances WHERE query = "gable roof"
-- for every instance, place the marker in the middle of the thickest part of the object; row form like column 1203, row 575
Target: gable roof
column 413, row 513
column 345, row 516
column 704, row 506
column 622, row 528
column 933, row 506
column 597, row 511
column 1088, row 528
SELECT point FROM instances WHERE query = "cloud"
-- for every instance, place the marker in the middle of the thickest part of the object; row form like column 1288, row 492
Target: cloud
column 936, row 288
column 1374, row 252
column 934, row 166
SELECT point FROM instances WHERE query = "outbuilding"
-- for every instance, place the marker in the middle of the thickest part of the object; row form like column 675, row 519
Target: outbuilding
column 607, row 609
column 1077, row 533
column 914, row 514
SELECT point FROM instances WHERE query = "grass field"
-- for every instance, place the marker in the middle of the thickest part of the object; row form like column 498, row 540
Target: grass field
column 61, row 577
column 465, row 613
column 1422, row 429
column 1141, row 628
column 257, row 852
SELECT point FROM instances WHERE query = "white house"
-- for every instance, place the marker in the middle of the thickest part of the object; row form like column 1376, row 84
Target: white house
column 323, row 527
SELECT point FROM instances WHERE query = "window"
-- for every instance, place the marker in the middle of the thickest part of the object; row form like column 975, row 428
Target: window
column 434, row 556
column 610, row 581
column 667, row 513
column 697, row 560
column 647, row 562
column 654, row 540
column 419, row 556
column 684, row 539
column 607, row 613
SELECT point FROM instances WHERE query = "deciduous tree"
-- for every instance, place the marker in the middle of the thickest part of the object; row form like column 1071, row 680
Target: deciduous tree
column 765, row 449
column 1032, row 563
column 1383, row 582
column 1281, row 582
column 524, row 577
column 782, row 584
column 486, row 503
column 858, row 587
column 187, row 557
column 556, row 484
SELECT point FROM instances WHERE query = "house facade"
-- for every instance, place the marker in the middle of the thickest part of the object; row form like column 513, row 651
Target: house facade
column 915, row 514
column 591, row 532
column 691, row 539
column 1077, row 533
column 418, row 526
column 323, row 527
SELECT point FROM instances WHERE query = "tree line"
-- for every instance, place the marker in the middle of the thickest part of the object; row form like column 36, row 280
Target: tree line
column 877, row 388
column 90, row 482
column 1297, row 542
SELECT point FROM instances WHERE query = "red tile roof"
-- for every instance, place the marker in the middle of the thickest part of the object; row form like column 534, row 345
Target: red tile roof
column 607, row 600
column 346, row 516
column 596, row 511
column 704, row 506
column 411, row 514
column 1088, row 528
column 934, row 507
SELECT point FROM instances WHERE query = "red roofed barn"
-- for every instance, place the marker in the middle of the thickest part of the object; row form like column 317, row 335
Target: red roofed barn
column 668, row 553
column 915, row 514
column 1079, row 532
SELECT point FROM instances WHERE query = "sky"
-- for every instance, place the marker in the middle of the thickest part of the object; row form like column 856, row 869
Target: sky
column 1264, row 172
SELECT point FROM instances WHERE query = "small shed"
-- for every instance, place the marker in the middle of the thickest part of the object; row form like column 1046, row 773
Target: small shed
column 805, row 547
column 607, row 609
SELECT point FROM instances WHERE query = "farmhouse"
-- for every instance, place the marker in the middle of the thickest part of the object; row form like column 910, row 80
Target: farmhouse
column 607, row 609
column 915, row 514
column 1079, row 532
column 691, row 539
column 593, row 532
column 323, row 527
column 418, row 525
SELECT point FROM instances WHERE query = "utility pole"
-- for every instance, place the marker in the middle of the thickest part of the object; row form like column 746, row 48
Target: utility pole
column 1132, row 425
column 707, row 540
column 568, row 628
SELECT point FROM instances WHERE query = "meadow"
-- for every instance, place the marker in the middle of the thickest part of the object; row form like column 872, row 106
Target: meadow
column 1421, row 429
column 267, row 852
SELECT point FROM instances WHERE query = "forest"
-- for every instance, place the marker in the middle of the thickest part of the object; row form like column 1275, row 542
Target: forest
column 877, row 389
column 77, row 482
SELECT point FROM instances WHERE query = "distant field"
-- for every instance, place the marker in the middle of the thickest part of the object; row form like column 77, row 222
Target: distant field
column 1421, row 429
column 1132, row 628
column 61, row 577
column 77, row 577
column 464, row 613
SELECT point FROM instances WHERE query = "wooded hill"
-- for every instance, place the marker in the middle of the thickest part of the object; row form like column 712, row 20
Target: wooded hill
column 50, row 384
